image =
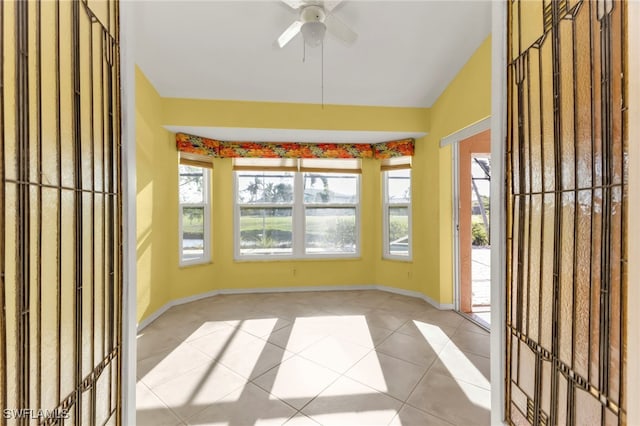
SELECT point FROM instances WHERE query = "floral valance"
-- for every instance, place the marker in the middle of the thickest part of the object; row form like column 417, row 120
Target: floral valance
column 402, row 148
column 222, row 149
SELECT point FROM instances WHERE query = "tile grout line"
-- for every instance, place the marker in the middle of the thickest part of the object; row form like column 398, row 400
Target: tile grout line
column 370, row 309
column 405, row 404
column 441, row 375
column 179, row 418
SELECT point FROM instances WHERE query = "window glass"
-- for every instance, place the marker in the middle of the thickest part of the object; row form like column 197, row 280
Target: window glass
column 399, row 231
column 191, row 184
column 397, row 213
column 266, row 231
column 304, row 213
column 330, row 230
column 399, row 186
column 193, row 196
column 330, row 188
column 192, row 233
column 265, row 187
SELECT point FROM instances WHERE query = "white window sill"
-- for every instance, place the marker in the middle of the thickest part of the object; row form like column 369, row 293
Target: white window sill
column 275, row 258
column 199, row 262
column 406, row 259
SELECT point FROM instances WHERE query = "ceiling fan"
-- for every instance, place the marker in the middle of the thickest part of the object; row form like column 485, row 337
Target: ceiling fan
column 315, row 18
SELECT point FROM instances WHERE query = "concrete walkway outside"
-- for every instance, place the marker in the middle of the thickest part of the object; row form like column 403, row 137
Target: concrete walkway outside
column 481, row 282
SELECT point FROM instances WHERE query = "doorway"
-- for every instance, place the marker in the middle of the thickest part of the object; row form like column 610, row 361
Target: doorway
column 473, row 216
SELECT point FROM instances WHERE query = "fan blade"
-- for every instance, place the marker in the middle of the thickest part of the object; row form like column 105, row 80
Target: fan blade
column 340, row 30
column 293, row 4
column 329, row 5
column 289, row 33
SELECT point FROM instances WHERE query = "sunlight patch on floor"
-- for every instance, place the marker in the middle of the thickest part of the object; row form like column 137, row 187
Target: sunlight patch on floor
column 455, row 360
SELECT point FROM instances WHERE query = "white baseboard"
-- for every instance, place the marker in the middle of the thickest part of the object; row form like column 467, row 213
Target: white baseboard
column 148, row 320
column 153, row 316
column 416, row 294
column 299, row 289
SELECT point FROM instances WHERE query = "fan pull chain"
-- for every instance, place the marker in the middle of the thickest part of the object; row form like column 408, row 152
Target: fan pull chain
column 322, row 73
column 304, row 52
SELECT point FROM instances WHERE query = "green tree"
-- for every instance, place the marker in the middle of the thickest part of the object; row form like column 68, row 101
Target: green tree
column 343, row 234
column 398, row 229
column 325, row 194
column 268, row 192
column 479, row 234
column 253, row 188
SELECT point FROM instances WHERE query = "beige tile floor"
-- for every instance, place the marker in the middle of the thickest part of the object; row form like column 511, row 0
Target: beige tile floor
column 330, row 358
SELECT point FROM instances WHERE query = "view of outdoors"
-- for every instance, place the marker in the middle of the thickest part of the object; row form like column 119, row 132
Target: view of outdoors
column 268, row 211
column 268, row 206
column 398, row 184
column 481, row 252
column 480, row 185
column 192, row 199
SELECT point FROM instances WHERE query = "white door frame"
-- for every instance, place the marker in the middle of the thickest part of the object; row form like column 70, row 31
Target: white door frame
column 498, row 213
column 129, row 256
column 454, row 140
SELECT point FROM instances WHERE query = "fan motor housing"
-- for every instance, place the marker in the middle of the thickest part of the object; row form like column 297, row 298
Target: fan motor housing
column 312, row 14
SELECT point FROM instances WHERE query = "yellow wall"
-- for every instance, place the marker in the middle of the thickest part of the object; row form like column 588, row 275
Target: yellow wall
column 421, row 274
column 160, row 279
column 156, row 228
column 270, row 115
column 225, row 273
column 465, row 101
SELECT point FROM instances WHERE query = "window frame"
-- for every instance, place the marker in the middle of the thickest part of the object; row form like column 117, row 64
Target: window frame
column 206, row 205
column 237, row 207
column 356, row 206
column 386, row 206
column 298, row 226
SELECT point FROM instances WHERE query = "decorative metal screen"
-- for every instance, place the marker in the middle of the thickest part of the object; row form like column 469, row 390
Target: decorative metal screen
column 566, row 204
column 60, row 213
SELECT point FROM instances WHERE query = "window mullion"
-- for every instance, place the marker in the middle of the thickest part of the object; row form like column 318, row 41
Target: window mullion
column 331, row 205
column 266, row 206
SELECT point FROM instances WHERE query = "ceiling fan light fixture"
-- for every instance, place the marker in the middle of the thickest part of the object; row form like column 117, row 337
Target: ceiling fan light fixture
column 313, row 33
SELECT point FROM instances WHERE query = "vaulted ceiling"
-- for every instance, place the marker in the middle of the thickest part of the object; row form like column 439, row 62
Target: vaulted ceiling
column 405, row 55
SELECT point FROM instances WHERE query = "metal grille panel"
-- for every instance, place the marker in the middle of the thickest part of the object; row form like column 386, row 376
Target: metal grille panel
column 60, row 213
column 566, row 207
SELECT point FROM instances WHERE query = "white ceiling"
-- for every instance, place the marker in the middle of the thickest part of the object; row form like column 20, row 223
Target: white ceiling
column 406, row 54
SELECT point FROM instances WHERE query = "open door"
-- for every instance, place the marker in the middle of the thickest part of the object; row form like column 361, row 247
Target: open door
column 474, row 178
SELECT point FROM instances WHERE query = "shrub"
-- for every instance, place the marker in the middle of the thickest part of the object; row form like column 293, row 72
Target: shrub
column 342, row 235
column 398, row 229
column 479, row 235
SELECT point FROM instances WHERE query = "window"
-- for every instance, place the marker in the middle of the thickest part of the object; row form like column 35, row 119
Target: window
column 297, row 208
column 397, row 209
column 265, row 201
column 194, row 226
column 330, row 212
